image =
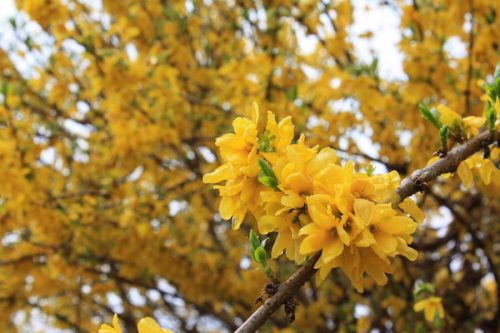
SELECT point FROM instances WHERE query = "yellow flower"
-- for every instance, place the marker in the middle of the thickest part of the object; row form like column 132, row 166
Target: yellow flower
column 145, row 325
column 239, row 153
column 282, row 133
column 329, row 231
column 473, row 124
column 386, row 232
column 484, row 166
column 448, row 117
column 286, row 223
column 105, row 328
column 149, row 325
column 295, row 169
column 431, row 306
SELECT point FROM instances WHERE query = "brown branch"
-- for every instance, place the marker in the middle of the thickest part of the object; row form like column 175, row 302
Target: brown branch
column 408, row 187
column 286, row 289
column 415, row 183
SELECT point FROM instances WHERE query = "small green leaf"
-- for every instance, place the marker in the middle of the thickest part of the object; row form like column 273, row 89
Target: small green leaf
column 254, row 240
column 370, row 169
column 266, row 168
column 496, row 76
column 269, row 181
column 423, row 287
column 265, row 142
column 444, row 133
column 490, row 114
column 268, row 178
column 430, row 114
column 261, row 256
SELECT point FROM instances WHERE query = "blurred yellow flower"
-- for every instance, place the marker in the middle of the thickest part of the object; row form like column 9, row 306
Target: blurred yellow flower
column 431, row 306
column 145, row 325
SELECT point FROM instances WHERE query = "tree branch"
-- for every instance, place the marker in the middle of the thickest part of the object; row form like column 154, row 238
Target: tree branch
column 408, row 187
column 285, row 291
column 415, row 183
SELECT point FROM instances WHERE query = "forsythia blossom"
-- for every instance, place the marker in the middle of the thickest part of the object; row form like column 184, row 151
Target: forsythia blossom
column 145, row 325
column 313, row 201
column 431, row 306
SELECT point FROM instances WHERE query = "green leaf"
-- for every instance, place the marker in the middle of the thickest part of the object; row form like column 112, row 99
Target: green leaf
column 490, row 114
column 444, row 133
column 430, row 114
column 423, row 287
column 269, row 182
column 268, row 178
column 265, row 142
column 496, row 76
column 266, row 168
column 261, row 256
column 370, row 169
column 254, row 241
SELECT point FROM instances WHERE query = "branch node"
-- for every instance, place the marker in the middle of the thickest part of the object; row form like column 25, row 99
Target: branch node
column 290, row 307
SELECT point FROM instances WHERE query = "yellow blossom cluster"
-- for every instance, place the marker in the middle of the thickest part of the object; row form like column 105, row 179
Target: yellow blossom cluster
column 145, row 325
column 313, row 201
column 480, row 162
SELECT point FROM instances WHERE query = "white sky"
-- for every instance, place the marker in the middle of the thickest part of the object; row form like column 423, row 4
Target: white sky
column 7, row 8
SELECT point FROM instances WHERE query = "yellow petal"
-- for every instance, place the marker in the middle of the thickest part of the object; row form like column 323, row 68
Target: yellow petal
column 325, row 157
column 255, row 112
column 363, row 209
column 398, row 225
column 420, row 305
column 464, row 174
column 299, row 183
column 386, row 242
column 332, row 250
column 447, row 116
column 223, row 172
column 486, row 170
column 108, row 329
column 280, row 244
column 268, row 223
column 406, row 251
column 292, row 200
column 323, row 220
column 149, row 325
column 440, row 311
column 314, row 242
column 430, row 313
column 410, row 207
column 228, row 206
column 474, row 122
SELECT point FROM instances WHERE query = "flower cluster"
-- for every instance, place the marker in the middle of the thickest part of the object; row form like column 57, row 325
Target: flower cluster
column 454, row 129
column 313, row 201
